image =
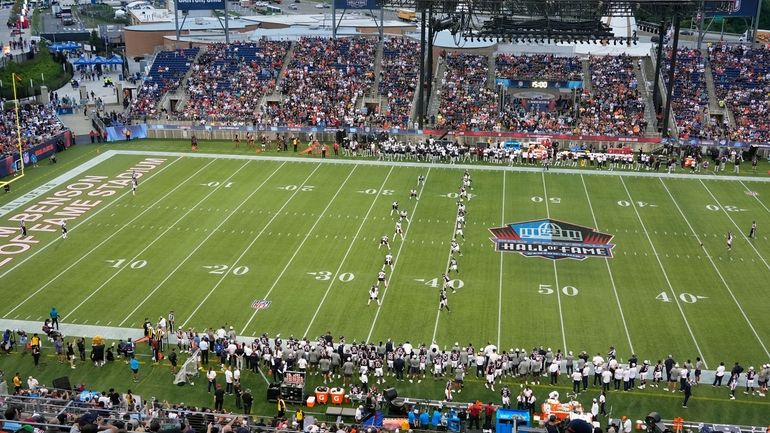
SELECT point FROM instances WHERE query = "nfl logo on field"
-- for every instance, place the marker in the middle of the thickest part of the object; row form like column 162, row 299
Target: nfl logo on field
column 260, row 304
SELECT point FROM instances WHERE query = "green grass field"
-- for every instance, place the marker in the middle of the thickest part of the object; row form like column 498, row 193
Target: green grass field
column 208, row 235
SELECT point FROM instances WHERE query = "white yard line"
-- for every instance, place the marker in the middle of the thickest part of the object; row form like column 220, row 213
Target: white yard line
column 500, row 281
column 157, row 238
column 446, row 269
column 97, row 212
column 201, row 243
column 477, row 167
column 663, row 270
column 83, row 256
column 756, row 197
column 350, row 248
column 609, row 270
column 248, row 247
column 398, row 255
column 299, row 248
column 748, row 241
column 714, row 265
column 555, row 270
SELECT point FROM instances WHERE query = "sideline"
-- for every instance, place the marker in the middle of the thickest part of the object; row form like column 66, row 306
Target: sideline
column 116, row 333
column 554, row 170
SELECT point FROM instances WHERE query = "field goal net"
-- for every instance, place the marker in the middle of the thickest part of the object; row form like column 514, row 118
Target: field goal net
column 188, row 371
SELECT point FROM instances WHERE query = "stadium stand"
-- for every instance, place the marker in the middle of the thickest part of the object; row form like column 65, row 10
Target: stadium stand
column 324, row 83
column 614, row 105
column 690, row 96
column 538, row 67
column 741, row 77
column 38, row 123
column 398, row 81
column 165, row 76
column 466, row 100
column 227, row 82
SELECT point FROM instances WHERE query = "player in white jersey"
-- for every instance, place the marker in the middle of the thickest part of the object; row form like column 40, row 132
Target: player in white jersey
column 381, row 279
column 420, row 179
column 455, row 248
column 399, row 231
column 134, row 184
column 388, row 261
column 64, row 229
column 413, row 194
column 373, row 295
column 461, row 217
column 404, row 215
column 394, row 208
column 384, row 241
column 23, row 227
column 464, row 194
column 461, row 207
column 729, row 241
column 453, row 265
column 459, row 230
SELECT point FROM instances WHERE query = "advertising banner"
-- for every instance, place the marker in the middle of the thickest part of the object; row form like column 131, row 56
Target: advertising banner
column 736, row 8
column 355, row 4
column 199, row 5
column 41, row 151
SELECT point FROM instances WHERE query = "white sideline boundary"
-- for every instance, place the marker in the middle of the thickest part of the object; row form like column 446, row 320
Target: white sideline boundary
column 408, row 164
column 665, row 274
column 555, row 270
column 719, row 273
column 609, row 269
column 500, row 281
column 345, row 257
column 299, row 248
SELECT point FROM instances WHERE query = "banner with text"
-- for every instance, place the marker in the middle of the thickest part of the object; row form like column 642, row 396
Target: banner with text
column 199, row 5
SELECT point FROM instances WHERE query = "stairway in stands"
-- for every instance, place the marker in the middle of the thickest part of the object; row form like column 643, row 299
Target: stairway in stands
column 275, row 95
column 644, row 90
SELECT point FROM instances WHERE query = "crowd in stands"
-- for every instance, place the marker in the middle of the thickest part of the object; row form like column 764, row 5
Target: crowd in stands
column 228, row 81
column 324, row 83
column 614, row 106
column 165, row 76
column 399, row 77
column 466, row 101
column 742, row 81
column 690, row 96
column 37, row 122
column 538, row 67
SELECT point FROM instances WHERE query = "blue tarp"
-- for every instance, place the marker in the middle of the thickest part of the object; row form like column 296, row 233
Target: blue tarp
column 83, row 61
column 59, row 46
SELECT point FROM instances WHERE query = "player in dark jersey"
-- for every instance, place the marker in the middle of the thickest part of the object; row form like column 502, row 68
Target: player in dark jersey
column 453, row 265
column 413, row 194
column 753, row 230
column 23, row 226
column 64, row 229
column 420, row 179
column 394, row 208
column 443, row 302
column 729, row 241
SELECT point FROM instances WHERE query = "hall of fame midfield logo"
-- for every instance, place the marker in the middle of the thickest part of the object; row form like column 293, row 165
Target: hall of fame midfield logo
column 551, row 239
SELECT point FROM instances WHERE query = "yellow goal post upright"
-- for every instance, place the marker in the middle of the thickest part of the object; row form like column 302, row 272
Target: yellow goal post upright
column 18, row 171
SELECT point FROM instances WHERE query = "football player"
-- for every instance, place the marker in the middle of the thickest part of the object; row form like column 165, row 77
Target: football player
column 384, row 242
column 388, row 262
column 413, row 194
column 404, row 215
column 443, row 302
column 381, row 279
column 453, row 265
column 456, row 248
column 373, row 295
column 399, row 231
column 729, row 241
column 459, row 230
column 394, row 208
column 64, row 229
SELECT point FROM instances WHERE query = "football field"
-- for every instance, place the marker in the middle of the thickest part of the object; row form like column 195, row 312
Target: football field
column 291, row 246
